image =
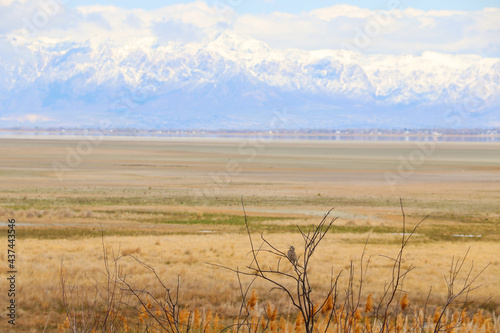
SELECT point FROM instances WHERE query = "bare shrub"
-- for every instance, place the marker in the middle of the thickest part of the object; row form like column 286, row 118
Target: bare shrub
column 115, row 303
column 98, row 307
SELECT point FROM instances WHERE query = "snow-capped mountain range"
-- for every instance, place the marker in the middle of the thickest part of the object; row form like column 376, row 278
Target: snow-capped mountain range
column 238, row 82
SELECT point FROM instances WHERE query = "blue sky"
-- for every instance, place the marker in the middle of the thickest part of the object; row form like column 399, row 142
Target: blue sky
column 268, row 6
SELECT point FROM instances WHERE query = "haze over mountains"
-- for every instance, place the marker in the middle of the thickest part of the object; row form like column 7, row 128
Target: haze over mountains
column 238, row 82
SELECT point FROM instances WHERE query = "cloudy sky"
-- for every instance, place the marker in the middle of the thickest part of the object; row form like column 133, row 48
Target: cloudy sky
column 387, row 27
column 268, row 6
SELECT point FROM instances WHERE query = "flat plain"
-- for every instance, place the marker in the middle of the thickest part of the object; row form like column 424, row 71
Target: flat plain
column 176, row 204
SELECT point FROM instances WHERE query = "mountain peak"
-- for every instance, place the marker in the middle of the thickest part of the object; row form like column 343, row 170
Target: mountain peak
column 232, row 76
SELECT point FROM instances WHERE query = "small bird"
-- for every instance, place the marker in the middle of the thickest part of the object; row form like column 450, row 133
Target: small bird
column 292, row 256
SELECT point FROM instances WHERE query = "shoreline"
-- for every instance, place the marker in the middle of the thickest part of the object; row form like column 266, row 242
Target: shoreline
column 299, row 138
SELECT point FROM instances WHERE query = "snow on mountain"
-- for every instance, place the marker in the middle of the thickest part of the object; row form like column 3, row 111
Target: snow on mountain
column 235, row 82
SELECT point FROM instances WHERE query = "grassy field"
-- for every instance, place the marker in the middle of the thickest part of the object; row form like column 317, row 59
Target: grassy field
column 176, row 205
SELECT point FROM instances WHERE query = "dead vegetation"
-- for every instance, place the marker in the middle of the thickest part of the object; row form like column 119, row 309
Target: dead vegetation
column 118, row 304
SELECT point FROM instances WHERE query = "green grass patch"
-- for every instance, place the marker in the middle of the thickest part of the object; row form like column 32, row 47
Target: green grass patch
column 78, row 233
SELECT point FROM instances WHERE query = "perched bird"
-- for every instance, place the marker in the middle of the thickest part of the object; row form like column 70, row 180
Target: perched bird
column 292, row 256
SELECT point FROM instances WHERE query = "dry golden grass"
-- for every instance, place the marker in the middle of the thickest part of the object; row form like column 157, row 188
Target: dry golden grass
column 158, row 201
column 203, row 286
column 268, row 320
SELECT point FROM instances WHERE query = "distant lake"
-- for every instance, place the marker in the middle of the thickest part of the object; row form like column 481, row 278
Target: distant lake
column 267, row 136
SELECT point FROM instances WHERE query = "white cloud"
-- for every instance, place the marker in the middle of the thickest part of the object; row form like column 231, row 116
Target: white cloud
column 388, row 31
column 32, row 118
column 395, row 31
column 9, row 2
column 330, row 13
column 97, row 24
